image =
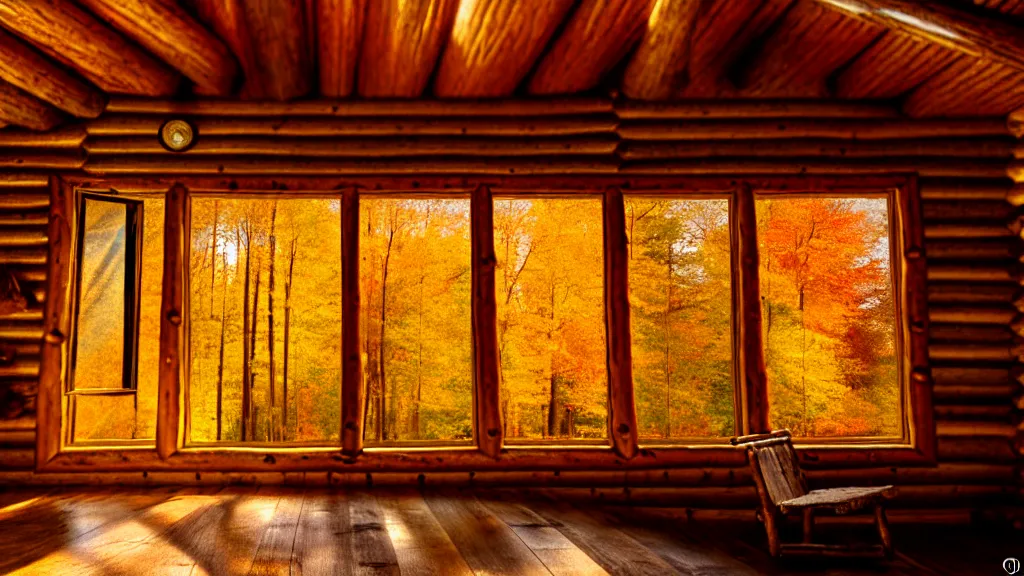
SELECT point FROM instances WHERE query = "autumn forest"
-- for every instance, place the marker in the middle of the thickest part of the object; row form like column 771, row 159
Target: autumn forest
column 265, row 318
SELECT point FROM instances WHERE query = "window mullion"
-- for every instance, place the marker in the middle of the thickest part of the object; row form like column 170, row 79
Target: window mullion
column 489, row 428
column 621, row 404
column 353, row 395
column 752, row 373
column 172, row 300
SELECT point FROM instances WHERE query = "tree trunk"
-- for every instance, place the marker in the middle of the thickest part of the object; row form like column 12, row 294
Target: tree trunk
column 668, row 348
column 287, row 326
column 419, row 369
column 213, row 250
column 252, row 337
column 553, row 388
column 384, row 432
column 246, row 366
column 274, row 434
column 220, row 365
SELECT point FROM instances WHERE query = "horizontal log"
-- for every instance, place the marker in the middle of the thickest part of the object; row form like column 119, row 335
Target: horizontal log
column 951, row 293
column 366, row 108
column 960, row 376
column 65, row 137
column 727, row 166
column 362, row 147
column 974, row 352
column 30, row 274
column 975, row 429
column 16, row 439
column 740, row 109
column 21, row 368
column 514, row 126
column 21, row 332
column 23, row 237
column 831, row 129
column 969, row 333
column 28, row 159
column 9, row 180
column 973, row 190
column 246, row 166
column 949, row 148
column 999, row 249
column 992, row 450
column 953, row 393
column 20, row 202
column 943, row 473
column 19, row 219
column 971, row 273
column 23, row 459
column 968, row 412
column 968, row 231
column 999, row 210
column 23, row 257
column 1002, row 316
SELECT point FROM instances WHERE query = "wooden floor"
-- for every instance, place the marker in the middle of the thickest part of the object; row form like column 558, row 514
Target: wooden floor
column 278, row 530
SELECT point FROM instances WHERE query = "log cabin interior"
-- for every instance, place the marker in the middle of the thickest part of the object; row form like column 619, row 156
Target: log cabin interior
column 511, row 286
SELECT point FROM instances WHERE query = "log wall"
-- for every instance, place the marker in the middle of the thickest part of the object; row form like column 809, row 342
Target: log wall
column 972, row 229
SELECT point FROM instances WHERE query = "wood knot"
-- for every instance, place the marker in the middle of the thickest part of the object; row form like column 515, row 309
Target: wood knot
column 492, row 432
column 623, row 429
column 919, row 375
column 174, row 317
column 914, row 253
column 917, row 327
column 55, row 337
column 350, row 426
column 269, row 459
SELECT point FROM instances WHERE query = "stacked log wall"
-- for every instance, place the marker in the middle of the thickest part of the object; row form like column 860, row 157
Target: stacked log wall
column 972, row 229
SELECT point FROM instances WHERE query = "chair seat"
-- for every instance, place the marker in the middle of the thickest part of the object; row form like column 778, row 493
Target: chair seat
column 842, row 500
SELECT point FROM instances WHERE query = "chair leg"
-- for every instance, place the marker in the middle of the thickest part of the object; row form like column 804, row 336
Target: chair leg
column 883, row 530
column 808, row 524
column 771, row 527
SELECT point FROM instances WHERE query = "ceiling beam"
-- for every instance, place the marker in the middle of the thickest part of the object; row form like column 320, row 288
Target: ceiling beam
column 21, row 109
column 494, row 44
column 597, row 36
column 978, row 36
column 32, row 72
column 166, row 30
column 74, row 38
column 278, row 32
column 401, row 43
column 226, row 19
column 658, row 67
column 339, row 36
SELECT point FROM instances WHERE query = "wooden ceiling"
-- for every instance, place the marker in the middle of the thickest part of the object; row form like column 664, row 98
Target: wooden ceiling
column 63, row 59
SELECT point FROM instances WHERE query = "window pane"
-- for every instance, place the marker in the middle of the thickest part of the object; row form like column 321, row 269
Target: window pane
column 99, row 344
column 103, row 417
column 149, row 315
column 681, row 317
column 551, row 335
column 415, row 283
column 828, row 316
column 265, row 308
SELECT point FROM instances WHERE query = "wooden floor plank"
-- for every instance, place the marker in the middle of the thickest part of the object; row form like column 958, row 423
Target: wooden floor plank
column 371, row 545
column 488, row 544
column 323, row 536
column 274, row 555
column 421, row 544
column 557, row 552
column 615, row 551
column 97, row 528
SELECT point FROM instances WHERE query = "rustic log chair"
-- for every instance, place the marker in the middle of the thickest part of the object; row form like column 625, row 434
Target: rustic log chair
column 782, row 489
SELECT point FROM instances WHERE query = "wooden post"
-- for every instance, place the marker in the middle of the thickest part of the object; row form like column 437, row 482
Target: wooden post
column 621, row 407
column 352, row 392
column 169, row 398
column 56, row 322
column 490, row 431
column 749, row 347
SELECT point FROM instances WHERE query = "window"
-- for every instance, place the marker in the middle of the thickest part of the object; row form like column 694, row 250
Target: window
column 112, row 391
column 550, row 300
column 473, row 327
column 414, row 258
column 265, row 320
column 680, row 278
column 828, row 316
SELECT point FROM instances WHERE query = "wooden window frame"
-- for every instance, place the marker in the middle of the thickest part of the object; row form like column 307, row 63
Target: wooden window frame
column 623, row 452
